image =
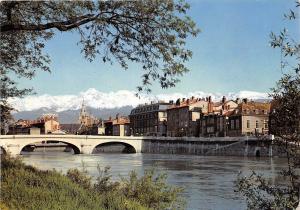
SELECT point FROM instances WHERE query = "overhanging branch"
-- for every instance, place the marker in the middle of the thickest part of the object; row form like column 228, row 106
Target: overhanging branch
column 60, row 25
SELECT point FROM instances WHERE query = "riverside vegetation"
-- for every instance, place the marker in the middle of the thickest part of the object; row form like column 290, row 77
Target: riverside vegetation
column 26, row 187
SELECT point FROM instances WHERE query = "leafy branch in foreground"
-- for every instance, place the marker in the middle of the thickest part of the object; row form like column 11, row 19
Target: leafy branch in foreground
column 285, row 125
column 149, row 33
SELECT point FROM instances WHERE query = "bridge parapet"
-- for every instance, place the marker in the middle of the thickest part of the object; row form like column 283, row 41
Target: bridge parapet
column 80, row 143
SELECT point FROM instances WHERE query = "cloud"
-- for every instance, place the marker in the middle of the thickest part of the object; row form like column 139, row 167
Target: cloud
column 97, row 99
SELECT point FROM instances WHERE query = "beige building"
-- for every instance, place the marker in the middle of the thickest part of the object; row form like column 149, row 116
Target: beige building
column 183, row 117
column 121, row 126
column 51, row 123
column 34, row 131
column 47, row 123
column 249, row 118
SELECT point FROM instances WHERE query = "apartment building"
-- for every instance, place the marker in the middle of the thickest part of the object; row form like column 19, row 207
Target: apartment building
column 149, row 119
column 184, row 115
column 215, row 121
column 249, row 118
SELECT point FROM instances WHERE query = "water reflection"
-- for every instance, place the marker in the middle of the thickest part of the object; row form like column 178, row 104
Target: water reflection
column 208, row 180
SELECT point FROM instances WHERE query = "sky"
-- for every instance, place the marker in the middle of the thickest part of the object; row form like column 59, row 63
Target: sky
column 231, row 54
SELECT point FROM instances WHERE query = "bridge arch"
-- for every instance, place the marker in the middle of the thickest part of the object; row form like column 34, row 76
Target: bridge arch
column 75, row 148
column 127, row 149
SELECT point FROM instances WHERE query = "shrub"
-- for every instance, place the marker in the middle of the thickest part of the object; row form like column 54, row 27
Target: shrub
column 25, row 187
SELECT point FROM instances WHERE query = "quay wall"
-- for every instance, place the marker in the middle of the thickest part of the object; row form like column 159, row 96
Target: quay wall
column 226, row 146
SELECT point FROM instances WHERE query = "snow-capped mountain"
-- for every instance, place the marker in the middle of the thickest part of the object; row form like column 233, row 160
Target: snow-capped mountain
column 111, row 100
column 103, row 105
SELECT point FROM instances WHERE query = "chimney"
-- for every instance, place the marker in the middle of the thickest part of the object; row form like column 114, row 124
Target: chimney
column 238, row 100
column 209, row 98
column 192, row 98
column 183, row 99
column 245, row 100
column 171, row 102
column 188, row 101
column 223, row 99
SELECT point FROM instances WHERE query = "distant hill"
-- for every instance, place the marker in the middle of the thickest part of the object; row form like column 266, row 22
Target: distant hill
column 71, row 116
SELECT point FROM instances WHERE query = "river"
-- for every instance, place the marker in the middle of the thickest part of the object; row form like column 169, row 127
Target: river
column 208, row 180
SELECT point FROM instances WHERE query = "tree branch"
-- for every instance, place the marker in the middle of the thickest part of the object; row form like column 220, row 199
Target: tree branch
column 60, row 25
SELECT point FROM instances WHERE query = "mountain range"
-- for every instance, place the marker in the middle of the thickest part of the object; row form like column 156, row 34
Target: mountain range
column 71, row 116
column 103, row 105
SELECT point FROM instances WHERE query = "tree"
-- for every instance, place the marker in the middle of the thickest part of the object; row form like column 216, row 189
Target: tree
column 285, row 125
column 150, row 33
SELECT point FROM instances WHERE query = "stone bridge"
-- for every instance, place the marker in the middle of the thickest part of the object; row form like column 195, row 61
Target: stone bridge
column 81, row 144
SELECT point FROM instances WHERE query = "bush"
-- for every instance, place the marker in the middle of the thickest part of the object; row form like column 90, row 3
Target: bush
column 25, row 187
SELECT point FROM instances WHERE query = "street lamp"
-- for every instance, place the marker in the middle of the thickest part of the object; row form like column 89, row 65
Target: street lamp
column 226, row 125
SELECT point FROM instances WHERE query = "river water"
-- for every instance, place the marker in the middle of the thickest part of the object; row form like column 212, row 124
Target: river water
column 208, row 180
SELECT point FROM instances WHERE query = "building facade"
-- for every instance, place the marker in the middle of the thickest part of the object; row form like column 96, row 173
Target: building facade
column 249, row 118
column 215, row 121
column 149, row 119
column 88, row 123
column 121, row 126
column 47, row 123
column 184, row 115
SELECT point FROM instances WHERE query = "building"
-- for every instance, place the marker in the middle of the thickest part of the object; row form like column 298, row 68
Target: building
column 183, row 116
column 121, row 126
column 101, row 129
column 88, row 123
column 50, row 121
column 249, row 118
column 108, row 124
column 47, row 123
column 70, row 128
column 214, row 122
column 149, row 119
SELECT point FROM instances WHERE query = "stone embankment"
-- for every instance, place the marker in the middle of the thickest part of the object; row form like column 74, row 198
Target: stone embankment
column 227, row 146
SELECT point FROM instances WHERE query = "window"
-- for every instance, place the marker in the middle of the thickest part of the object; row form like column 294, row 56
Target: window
column 237, row 124
column 266, row 124
column 248, row 123
column 232, row 124
column 256, row 124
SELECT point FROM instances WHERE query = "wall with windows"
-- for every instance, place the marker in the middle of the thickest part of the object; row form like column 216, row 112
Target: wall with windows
column 255, row 124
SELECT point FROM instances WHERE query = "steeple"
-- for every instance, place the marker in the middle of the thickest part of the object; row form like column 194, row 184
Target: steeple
column 83, row 113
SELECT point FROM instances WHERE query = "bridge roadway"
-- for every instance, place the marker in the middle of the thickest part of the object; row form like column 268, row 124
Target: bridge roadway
column 81, row 144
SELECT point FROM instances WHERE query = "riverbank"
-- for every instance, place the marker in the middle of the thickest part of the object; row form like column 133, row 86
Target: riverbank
column 26, row 187
column 227, row 146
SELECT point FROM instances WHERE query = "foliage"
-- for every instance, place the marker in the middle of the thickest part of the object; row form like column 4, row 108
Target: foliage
column 79, row 178
column 149, row 33
column 261, row 193
column 25, row 187
column 285, row 125
column 152, row 191
column 103, row 181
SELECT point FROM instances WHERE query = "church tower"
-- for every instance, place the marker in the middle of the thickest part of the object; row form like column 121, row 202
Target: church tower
column 83, row 114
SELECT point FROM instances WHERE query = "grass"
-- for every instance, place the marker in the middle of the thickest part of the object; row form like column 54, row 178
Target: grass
column 26, row 187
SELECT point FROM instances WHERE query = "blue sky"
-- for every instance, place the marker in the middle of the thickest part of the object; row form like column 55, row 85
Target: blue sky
column 231, row 54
